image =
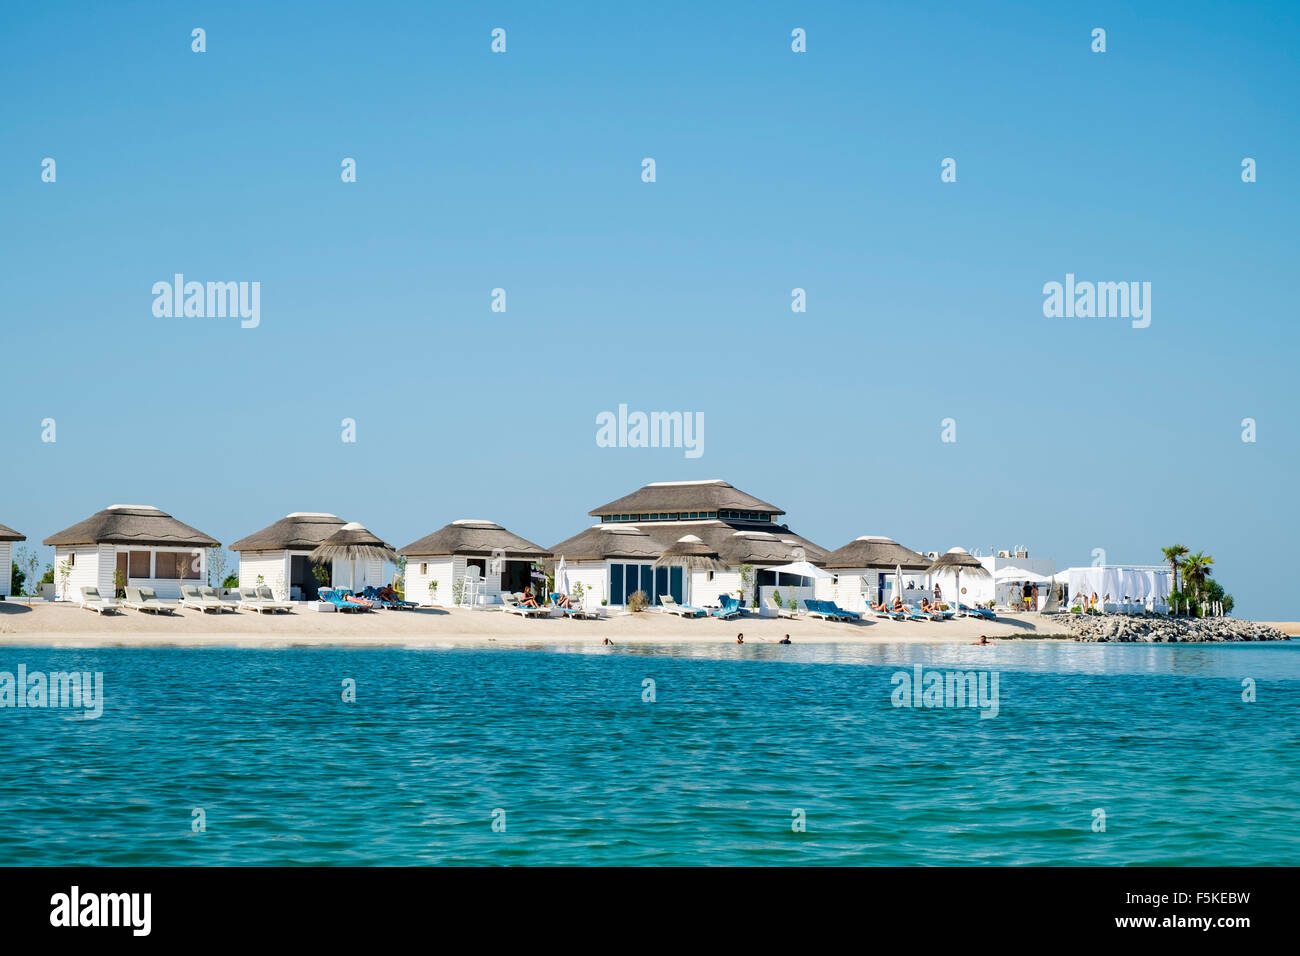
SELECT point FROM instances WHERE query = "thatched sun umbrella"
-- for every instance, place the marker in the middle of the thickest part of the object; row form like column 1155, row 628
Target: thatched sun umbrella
column 958, row 560
column 353, row 543
column 691, row 553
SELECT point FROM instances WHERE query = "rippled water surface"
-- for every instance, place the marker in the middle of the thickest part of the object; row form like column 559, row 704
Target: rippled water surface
column 714, row 770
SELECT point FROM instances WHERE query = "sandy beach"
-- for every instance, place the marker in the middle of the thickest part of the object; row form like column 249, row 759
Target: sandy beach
column 66, row 625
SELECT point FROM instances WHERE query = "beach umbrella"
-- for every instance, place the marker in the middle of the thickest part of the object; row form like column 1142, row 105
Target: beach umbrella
column 898, row 581
column 561, row 577
column 691, row 553
column 804, row 569
column 958, row 560
column 353, row 543
column 1019, row 574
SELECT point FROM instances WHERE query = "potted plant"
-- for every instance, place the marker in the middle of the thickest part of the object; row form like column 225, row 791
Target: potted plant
column 433, row 592
column 119, row 583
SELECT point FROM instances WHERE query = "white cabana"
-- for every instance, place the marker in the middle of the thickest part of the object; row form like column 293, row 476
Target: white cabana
column 1118, row 588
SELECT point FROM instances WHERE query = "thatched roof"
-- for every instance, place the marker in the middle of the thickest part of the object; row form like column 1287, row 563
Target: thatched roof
column 478, row 539
column 689, row 551
column 609, row 541
column 300, row 531
column 9, row 534
column 734, row 543
column 873, row 551
column 132, row 524
column 356, row 543
column 678, row 496
column 956, row 558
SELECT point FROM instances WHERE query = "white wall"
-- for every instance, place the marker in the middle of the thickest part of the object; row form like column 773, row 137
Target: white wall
column 273, row 566
column 6, row 567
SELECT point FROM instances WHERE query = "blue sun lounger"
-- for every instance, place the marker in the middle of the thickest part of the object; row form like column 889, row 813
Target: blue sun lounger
column 978, row 612
column 335, row 596
column 729, row 607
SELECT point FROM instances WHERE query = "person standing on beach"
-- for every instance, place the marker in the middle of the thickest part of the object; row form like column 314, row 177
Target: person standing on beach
column 1034, row 597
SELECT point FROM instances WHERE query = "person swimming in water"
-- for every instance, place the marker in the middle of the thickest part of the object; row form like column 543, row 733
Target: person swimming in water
column 784, row 640
column 982, row 642
column 740, row 638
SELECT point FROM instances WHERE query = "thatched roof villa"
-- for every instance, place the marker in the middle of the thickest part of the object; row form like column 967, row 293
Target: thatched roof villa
column 616, row 557
column 493, row 558
column 145, row 544
column 280, row 556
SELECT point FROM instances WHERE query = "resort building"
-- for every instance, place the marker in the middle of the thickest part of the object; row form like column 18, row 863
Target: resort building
column 615, row 558
column 129, row 546
column 469, row 560
column 7, row 538
column 279, row 556
column 867, row 569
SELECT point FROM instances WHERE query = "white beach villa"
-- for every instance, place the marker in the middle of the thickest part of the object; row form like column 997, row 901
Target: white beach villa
column 136, row 545
column 279, row 556
column 865, row 571
column 7, row 538
column 615, row 558
column 472, row 559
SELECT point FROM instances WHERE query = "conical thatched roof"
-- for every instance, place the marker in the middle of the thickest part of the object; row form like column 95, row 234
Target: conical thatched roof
column 692, row 553
column 958, row 558
column 300, row 531
column 609, row 541
column 9, row 534
column 476, row 539
column 677, row 496
column 132, row 524
column 874, row 551
column 356, row 543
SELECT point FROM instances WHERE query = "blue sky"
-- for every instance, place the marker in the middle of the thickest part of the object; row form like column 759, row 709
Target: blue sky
column 775, row 170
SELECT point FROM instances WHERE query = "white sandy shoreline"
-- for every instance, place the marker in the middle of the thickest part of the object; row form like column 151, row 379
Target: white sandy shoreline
column 66, row 625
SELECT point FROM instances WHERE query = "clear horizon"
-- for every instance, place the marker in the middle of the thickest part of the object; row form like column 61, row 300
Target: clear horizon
column 775, row 171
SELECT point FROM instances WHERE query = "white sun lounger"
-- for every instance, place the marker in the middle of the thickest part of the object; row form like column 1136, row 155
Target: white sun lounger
column 91, row 601
column 510, row 604
column 146, row 599
column 780, row 611
column 213, row 597
column 670, row 606
column 192, row 597
column 267, row 597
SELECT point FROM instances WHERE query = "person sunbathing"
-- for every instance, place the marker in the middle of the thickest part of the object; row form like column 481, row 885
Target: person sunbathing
column 529, row 600
column 388, row 595
column 563, row 601
column 353, row 599
column 927, row 607
column 880, row 606
column 898, row 605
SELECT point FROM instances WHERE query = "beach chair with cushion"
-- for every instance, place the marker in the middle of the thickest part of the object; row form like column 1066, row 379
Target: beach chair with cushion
column 838, row 613
column 213, row 598
column 813, row 608
column 144, row 599
column 335, row 596
column 191, row 598
column 983, row 612
column 771, row 604
column 670, row 606
column 249, row 601
column 267, row 597
column 91, row 601
column 152, row 602
column 915, row 614
column 728, row 607
column 371, row 593
column 510, row 604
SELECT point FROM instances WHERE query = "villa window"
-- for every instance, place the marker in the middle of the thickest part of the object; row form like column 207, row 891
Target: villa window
column 424, row 568
column 138, row 564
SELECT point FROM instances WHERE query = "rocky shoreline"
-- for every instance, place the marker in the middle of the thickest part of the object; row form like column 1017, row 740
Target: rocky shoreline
column 1158, row 629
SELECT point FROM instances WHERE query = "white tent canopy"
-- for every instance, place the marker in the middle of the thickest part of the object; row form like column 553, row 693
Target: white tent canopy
column 1116, row 585
column 803, row 569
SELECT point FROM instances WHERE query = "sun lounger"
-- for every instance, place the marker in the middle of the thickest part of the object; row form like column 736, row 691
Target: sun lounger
column 267, row 597
column 371, row 593
column 152, row 602
column 145, row 599
column 575, row 611
column 839, row 612
column 670, row 606
column 728, row 608
column 828, row 610
column 978, row 612
column 337, row 597
column 91, row 601
column 510, row 604
column 780, row 611
column 213, row 598
column 191, row 598
column 915, row 614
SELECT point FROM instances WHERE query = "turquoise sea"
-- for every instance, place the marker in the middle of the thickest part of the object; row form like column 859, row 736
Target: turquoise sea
column 736, row 744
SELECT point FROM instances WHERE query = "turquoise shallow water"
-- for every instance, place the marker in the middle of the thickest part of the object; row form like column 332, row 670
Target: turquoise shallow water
column 737, row 739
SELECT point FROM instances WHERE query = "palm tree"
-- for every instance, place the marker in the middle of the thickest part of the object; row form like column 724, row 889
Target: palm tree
column 1172, row 554
column 1196, row 568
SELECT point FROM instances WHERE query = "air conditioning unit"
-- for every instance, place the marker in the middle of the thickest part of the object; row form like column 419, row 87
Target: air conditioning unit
column 1004, row 554
column 1022, row 554
column 932, row 555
